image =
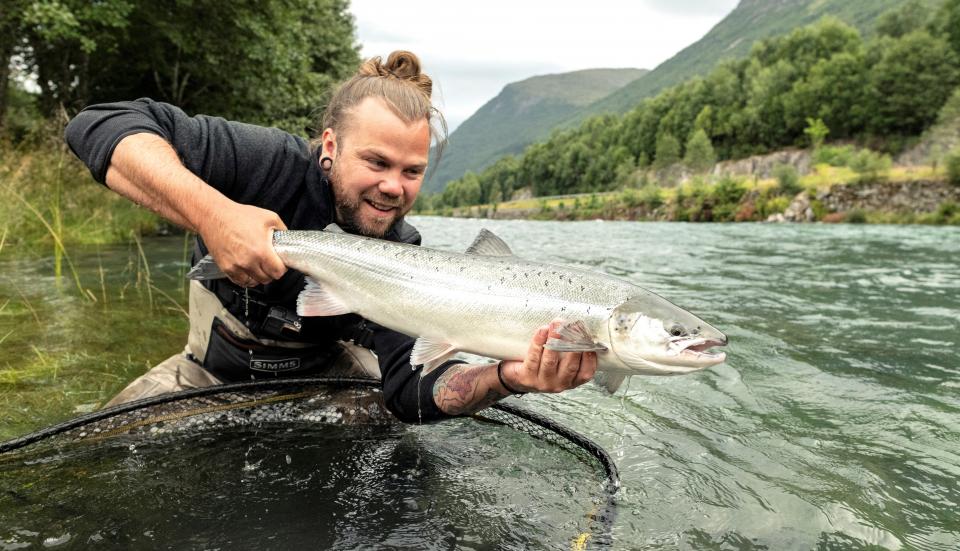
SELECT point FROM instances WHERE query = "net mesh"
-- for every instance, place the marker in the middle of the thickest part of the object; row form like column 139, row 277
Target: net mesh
column 338, row 401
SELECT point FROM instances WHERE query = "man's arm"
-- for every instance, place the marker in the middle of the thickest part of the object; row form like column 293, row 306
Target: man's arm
column 465, row 389
column 145, row 169
column 199, row 173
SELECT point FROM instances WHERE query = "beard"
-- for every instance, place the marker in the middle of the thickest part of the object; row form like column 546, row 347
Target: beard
column 348, row 210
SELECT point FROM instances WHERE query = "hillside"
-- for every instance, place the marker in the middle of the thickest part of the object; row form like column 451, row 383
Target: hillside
column 733, row 37
column 522, row 113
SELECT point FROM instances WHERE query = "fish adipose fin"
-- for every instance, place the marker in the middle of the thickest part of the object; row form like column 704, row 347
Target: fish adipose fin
column 608, row 381
column 574, row 337
column 430, row 353
column 488, row 244
column 315, row 300
column 206, row 269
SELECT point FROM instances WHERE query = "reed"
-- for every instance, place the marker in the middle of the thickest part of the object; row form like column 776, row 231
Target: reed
column 142, row 261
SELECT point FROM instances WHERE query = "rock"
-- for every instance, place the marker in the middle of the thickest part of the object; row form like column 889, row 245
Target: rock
column 799, row 209
column 762, row 166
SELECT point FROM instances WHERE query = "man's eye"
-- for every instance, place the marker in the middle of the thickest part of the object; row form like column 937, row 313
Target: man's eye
column 379, row 163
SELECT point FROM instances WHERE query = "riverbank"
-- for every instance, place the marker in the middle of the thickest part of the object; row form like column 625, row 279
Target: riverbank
column 901, row 195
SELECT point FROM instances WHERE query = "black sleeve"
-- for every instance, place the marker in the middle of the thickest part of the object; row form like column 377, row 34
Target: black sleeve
column 247, row 163
column 407, row 395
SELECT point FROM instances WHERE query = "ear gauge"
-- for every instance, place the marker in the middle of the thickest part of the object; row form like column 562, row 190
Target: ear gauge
column 326, row 163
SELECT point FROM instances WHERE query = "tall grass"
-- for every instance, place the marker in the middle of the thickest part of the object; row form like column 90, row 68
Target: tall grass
column 49, row 201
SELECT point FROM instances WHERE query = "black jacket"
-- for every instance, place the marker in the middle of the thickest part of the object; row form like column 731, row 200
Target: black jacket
column 274, row 170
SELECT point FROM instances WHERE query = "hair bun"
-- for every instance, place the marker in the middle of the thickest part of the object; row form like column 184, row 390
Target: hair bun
column 402, row 65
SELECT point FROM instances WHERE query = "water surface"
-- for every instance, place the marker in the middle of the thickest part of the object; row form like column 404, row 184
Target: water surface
column 835, row 422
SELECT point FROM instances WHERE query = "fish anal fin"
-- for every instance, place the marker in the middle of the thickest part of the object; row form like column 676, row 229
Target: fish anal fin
column 574, row 337
column 206, row 269
column 488, row 244
column 316, row 300
column 430, row 353
column 610, row 382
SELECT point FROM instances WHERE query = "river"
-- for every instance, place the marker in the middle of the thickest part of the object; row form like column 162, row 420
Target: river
column 834, row 423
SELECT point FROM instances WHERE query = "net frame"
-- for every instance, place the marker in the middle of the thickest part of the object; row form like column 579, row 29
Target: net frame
column 511, row 415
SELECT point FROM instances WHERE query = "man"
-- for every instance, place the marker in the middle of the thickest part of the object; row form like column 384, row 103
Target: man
column 233, row 184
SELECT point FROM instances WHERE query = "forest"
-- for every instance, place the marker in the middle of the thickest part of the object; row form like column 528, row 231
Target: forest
column 823, row 81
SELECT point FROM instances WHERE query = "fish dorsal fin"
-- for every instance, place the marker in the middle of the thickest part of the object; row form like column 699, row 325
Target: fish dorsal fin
column 205, row 269
column 430, row 353
column 316, row 300
column 488, row 244
column 333, row 228
column 574, row 337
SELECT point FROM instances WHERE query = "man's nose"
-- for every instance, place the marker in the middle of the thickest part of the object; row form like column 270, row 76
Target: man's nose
column 390, row 185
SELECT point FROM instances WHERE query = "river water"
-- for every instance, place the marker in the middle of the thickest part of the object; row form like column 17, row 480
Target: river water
column 834, row 423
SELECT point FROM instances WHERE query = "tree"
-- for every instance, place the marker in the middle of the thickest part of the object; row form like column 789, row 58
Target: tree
column 817, row 131
column 913, row 15
column 911, row 80
column 258, row 61
column 700, row 155
column 668, row 151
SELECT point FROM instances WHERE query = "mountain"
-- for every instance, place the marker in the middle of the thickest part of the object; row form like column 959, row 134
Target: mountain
column 522, row 113
column 733, row 37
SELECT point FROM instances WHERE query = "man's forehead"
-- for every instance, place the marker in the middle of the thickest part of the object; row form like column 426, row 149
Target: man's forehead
column 373, row 126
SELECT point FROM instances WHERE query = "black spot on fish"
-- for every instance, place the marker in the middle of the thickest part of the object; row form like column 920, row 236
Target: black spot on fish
column 582, row 288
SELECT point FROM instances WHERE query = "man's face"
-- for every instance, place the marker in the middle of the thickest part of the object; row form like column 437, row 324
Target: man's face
column 378, row 168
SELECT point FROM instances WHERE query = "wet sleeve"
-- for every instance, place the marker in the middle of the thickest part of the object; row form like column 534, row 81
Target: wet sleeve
column 407, row 395
column 242, row 161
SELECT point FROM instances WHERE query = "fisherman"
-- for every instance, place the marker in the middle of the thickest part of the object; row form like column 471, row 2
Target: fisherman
column 232, row 184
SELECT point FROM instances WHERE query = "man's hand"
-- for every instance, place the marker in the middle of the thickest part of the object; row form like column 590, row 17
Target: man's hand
column 239, row 238
column 545, row 370
column 145, row 169
column 465, row 389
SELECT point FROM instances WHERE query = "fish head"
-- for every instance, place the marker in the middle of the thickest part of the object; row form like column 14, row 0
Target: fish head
column 650, row 335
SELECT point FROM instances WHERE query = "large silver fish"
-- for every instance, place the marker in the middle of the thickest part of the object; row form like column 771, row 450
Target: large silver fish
column 489, row 302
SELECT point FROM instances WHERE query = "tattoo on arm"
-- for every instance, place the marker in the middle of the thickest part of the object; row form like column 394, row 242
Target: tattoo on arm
column 458, row 391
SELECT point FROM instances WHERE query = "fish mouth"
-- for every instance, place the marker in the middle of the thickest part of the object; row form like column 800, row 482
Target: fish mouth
column 698, row 350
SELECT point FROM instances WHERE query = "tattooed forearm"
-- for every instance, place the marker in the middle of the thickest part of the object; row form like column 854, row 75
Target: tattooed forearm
column 466, row 389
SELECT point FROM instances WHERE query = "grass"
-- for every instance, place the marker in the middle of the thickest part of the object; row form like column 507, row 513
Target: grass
column 49, row 203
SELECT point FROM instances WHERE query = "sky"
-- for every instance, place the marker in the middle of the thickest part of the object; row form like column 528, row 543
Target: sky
column 472, row 50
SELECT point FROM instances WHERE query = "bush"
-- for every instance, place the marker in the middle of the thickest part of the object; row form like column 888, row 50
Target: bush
column 772, row 205
column 952, row 164
column 870, row 166
column 651, row 196
column 855, row 216
column 630, row 198
column 834, row 155
column 788, row 179
column 728, row 191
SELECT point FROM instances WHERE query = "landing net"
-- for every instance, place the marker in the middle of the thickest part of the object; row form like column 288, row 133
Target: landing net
column 312, row 402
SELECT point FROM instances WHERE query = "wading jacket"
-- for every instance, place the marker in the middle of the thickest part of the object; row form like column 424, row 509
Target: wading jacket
column 274, row 170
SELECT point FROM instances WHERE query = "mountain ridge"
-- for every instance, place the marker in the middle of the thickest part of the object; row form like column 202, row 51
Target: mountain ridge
column 523, row 112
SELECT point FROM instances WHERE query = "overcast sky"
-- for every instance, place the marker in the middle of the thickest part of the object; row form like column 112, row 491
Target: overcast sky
column 472, row 50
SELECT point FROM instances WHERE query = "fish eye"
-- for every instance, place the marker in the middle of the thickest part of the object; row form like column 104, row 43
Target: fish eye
column 676, row 330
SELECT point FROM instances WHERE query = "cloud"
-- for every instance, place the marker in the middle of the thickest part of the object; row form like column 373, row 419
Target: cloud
column 700, row 7
column 472, row 50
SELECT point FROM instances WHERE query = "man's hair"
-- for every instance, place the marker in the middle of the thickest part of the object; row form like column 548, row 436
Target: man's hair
column 402, row 87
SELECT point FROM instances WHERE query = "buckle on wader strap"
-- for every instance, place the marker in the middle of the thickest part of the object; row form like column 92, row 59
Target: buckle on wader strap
column 359, row 334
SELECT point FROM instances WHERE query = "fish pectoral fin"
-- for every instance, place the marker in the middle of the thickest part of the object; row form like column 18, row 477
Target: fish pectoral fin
column 206, row 269
column 488, row 244
column 574, row 337
column 316, row 300
column 608, row 381
column 430, row 353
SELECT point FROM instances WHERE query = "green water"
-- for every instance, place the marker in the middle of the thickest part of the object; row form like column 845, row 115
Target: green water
column 834, row 424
